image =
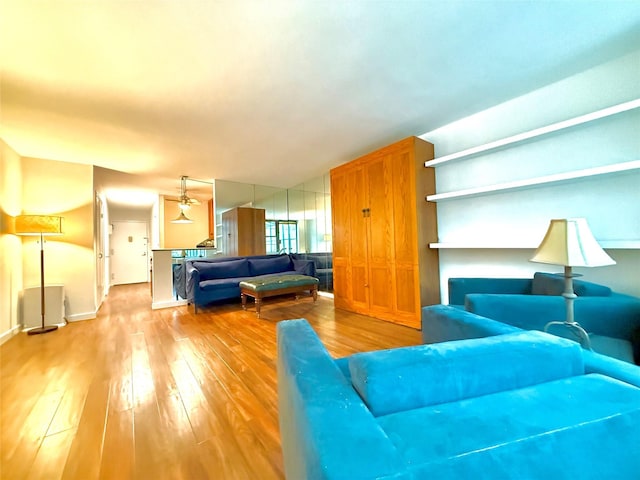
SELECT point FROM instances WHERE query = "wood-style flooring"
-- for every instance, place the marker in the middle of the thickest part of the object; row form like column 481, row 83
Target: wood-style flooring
column 160, row 394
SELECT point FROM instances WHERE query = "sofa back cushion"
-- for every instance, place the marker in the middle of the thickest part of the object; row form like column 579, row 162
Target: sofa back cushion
column 553, row 284
column 402, row 379
column 263, row 266
column 217, row 270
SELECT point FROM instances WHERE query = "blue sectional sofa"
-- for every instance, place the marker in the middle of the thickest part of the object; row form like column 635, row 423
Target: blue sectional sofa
column 516, row 406
column 211, row 280
column 611, row 319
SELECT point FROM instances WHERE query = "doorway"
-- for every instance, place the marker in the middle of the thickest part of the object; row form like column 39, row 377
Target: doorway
column 129, row 252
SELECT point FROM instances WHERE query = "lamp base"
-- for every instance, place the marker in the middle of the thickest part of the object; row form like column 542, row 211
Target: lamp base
column 577, row 329
column 39, row 330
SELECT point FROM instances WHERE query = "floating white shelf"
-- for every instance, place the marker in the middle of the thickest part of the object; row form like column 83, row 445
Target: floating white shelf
column 557, row 178
column 531, row 134
column 608, row 244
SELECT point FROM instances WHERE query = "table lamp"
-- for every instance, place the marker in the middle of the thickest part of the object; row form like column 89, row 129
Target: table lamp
column 569, row 242
column 40, row 225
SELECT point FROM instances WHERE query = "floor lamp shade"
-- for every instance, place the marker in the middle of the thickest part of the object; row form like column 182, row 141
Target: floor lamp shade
column 40, row 225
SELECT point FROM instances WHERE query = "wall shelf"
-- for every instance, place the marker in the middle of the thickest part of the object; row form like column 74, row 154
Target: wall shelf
column 538, row 132
column 607, row 244
column 557, row 178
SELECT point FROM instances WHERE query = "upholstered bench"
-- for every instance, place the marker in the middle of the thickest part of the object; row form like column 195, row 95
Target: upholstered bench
column 261, row 287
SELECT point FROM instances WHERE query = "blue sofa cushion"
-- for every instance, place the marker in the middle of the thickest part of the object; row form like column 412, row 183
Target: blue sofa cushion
column 613, row 347
column 552, row 284
column 541, row 430
column 407, row 378
column 261, row 266
column 217, row 270
column 220, row 283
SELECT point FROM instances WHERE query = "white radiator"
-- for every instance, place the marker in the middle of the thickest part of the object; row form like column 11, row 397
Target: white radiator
column 54, row 306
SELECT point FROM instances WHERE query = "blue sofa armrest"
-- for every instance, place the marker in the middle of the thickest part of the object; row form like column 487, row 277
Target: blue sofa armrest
column 611, row 367
column 193, row 281
column 442, row 323
column 304, row 267
column 460, row 287
column 327, row 431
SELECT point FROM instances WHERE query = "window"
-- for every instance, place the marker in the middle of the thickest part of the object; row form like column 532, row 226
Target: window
column 272, row 237
column 282, row 236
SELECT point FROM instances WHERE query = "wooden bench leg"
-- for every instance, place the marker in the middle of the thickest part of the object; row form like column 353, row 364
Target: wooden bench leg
column 314, row 292
column 244, row 300
column 258, row 305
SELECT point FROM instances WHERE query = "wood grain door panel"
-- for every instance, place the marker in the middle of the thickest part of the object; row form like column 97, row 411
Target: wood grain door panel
column 380, row 288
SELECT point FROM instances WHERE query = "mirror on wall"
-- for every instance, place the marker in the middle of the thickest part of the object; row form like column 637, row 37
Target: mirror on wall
column 297, row 220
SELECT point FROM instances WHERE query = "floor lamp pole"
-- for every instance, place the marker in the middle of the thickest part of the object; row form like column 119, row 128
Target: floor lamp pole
column 569, row 321
column 42, row 329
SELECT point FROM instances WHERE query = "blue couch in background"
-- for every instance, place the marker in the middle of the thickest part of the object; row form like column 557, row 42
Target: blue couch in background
column 520, row 405
column 215, row 279
column 611, row 319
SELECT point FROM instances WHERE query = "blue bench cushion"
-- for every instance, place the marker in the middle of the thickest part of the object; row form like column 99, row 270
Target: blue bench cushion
column 413, row 377
column 553, row 284
column 533, row 429
column 261, row 266
column 219, row 270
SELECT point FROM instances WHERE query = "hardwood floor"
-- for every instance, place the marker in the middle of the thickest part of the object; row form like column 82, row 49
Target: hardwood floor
column 160, row 394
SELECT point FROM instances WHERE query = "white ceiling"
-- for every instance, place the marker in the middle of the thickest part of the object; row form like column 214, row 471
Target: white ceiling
column 275, row 92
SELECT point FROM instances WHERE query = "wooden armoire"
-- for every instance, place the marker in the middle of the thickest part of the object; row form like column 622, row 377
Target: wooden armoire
column 382, row 226
column 243, row 232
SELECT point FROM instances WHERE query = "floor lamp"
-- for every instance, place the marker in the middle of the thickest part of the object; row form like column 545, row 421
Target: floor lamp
column 569, row 242
column 40, row 225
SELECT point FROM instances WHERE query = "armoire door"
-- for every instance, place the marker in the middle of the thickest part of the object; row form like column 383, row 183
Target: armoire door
column 358, row 274
column 341, row 229
column 406, row 261
column 380, row 234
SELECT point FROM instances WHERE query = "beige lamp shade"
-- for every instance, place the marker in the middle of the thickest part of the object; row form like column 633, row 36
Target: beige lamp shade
column 569, row 242
column 38, row 225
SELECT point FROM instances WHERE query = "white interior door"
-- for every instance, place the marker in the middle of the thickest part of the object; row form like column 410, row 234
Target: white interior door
column 100, row 256
column 129, row 253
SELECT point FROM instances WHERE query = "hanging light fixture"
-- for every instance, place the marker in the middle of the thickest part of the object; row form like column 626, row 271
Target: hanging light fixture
column 182, row 218
column 184, row 203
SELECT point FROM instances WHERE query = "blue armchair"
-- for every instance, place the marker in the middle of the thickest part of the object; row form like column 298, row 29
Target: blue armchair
column 611, row 319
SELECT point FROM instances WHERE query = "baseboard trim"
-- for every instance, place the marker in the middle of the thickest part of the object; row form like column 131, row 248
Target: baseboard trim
column 168, row 304
column 79, row 317
column 10, row 333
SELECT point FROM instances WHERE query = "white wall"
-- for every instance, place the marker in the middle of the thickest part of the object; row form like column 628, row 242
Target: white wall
column 10, row 244
column 66, row 189
column 184, row 235
column 611, row 204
